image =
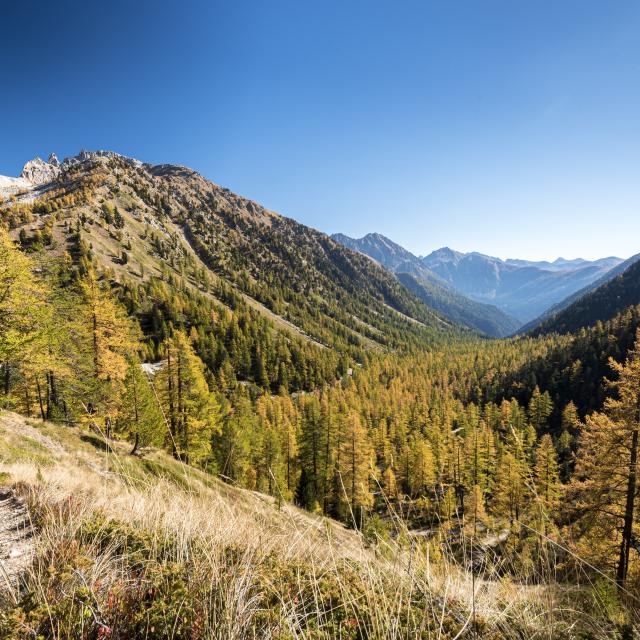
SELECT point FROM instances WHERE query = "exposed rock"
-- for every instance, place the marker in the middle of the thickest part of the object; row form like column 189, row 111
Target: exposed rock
column 37, row 171
column 16, row 539
column 101, row 154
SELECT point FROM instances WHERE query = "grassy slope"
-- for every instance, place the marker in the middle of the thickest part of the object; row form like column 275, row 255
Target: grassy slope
column 146, row 547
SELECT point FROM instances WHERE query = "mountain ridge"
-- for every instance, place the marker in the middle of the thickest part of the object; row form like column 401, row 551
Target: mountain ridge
column 430, row 287
column 611, row 297
column 521, row 288
column 143, row 223
column 560, row 307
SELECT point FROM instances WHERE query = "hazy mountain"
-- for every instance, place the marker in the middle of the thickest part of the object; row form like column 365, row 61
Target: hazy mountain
column 521, row 288
column 560, row 264
column 431, row 288
column 556, row 309
column 615, row 294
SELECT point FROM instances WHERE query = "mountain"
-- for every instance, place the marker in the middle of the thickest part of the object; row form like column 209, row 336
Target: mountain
column 384, row 251
column 429, row 287
column 556, row 309
column 613, row 296
column 523, row 289
column 296, row 296
column 482, row 317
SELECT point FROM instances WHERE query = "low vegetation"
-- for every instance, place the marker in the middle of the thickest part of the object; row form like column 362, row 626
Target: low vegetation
column 128, row 547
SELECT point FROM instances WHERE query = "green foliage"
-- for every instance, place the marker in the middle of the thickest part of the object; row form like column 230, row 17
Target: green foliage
column 140, row 419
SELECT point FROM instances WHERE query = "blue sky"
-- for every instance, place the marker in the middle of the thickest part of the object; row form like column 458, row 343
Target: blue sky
column 510, row 128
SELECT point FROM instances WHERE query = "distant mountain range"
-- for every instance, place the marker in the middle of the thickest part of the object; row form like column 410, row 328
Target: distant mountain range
column 520, row 288
column 603, row 300
column 523, row 290
column 557, row 309
column 431, row 288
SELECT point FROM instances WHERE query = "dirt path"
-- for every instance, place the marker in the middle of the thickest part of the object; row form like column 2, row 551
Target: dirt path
column 16, row 539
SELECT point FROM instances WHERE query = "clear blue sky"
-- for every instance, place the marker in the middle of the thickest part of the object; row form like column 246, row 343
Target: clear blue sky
column 511, row 127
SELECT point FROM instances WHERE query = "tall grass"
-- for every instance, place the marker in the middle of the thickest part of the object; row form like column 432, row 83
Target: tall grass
column 153, row 549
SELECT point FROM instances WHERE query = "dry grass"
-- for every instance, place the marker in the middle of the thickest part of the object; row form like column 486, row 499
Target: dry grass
column 130, row 547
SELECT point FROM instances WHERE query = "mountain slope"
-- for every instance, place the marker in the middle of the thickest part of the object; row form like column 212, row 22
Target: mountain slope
column 601, row 304
column 286, row 295
column 481, row 317
column 520, row 288
column 570, row 300
column 429, row 287
column 145, row 547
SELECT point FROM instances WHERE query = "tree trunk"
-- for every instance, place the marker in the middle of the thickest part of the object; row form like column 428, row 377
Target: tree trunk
column 27, row 399
column 172, row 409
column 42, row 413
column 353, row 471
column 182, row 415
column 136, row 416
column 135, row 444
column 48, row 396
column 627, row 530
column 96, row 363
column 326, row 464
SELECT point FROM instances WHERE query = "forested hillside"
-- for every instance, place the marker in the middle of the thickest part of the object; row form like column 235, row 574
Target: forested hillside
column 484, row 318
column 155, row 314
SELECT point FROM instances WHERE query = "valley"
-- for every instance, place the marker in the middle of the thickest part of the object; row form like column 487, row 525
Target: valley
column 221, row 422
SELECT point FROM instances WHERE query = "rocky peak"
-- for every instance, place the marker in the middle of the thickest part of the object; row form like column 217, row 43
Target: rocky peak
column 99, row 155
column 37, row 171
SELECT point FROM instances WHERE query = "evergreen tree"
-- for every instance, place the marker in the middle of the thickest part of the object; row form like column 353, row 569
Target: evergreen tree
column 21, row 300
column 111, row 339
column 547, row 479
column 356, row 468
column 193, row 410
column 140, row 419
column 607, row 468
column 510, row 487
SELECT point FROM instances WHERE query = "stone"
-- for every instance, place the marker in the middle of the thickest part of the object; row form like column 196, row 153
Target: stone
column 38, row 172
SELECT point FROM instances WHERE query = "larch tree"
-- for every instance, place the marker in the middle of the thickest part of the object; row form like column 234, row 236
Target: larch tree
column 311, row 452
column 510, row 492
column 422, row 476
column 606, row 476
column 140, row 418
column 193, row 410
column 540, row 408
column 546, row 479
column 21, row 300
column 111, row 339
column 356, row 468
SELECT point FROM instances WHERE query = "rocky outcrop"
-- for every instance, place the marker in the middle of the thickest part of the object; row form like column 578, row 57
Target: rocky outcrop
column 101, row 154
column 38, row 172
